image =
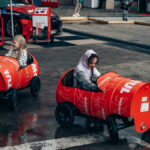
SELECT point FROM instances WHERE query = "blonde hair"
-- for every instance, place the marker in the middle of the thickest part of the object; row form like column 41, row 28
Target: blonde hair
column 22, row 45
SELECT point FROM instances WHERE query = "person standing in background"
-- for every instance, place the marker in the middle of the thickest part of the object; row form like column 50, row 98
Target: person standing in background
column 78, row 7
column 125, row 4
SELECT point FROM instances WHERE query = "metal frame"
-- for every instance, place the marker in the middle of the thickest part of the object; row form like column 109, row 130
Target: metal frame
column 2, row 30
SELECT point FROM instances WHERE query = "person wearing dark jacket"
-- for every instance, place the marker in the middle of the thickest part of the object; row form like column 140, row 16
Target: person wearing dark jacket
column 125, row 4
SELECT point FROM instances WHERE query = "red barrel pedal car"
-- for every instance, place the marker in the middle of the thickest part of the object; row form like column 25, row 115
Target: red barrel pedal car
column 13, row 78
column 119, row 98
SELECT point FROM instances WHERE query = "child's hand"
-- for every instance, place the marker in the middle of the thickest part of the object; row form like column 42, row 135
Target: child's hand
column 94, row 79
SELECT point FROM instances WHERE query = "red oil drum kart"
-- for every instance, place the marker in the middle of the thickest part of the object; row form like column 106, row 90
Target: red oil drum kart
column 119, row 98
column 14, row 78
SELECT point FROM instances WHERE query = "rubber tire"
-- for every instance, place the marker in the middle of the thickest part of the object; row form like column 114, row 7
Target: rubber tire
column 112, row 129
column 52, row 38
column 14, row 99
column 17, row 27
column 35, row 85
column 64, row 115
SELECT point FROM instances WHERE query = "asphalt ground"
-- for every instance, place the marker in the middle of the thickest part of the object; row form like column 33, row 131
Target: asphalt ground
column 35, row 120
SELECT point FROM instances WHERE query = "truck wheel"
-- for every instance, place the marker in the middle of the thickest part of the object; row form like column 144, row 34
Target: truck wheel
column 35, row 86
column 113, row 129
column 64, row 115
column 14, row 99
column 17, row 27
column 52, row 38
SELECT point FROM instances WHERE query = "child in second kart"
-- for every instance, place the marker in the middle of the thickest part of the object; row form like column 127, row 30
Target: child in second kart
column 19, row 50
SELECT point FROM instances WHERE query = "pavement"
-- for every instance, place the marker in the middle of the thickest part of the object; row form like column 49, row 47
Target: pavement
column 68, row 11
column 101, row 16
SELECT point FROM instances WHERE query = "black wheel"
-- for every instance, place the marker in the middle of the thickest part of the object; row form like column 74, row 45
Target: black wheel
column 94, row 125
column 17, row 27
column 113, row 129
column 35, row 86
column 14, row 99
column 52, row 38
column 64, row 115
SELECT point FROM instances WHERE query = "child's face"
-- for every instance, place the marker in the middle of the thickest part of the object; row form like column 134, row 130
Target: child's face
column 16, row 45
column 92, row 63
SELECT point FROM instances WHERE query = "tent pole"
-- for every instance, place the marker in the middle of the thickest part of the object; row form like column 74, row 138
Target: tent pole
column 12, row 20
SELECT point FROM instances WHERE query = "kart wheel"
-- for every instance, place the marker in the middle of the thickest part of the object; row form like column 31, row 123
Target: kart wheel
column 64, row 115
column 35, row 86
column 52, row 38
column 17, row 27
column 14, row 99
column 113, row 129
column 94, row 125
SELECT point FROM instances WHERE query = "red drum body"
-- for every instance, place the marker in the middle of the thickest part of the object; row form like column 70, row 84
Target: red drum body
column 11, row 76
column 126, row 97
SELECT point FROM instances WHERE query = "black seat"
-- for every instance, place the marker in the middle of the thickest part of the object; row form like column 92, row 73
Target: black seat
column 68, row 79
column 29, row 60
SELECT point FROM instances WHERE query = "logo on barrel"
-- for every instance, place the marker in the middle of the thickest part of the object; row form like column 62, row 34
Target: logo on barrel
column 8, row 76
column 128, row 86
column 34, row 68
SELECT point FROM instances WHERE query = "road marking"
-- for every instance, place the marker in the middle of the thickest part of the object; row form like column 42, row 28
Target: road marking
column 132, row 140
column 75, row 141
column 85, row 41
column 65, row 39
column 63, row 34
column 60, row 143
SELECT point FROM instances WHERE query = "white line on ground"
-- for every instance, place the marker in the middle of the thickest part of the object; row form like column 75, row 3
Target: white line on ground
column 132, row 139
column 61, row 143
column 74, row 141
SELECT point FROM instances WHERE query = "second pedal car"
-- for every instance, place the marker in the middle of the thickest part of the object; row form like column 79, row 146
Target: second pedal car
column 14, row 78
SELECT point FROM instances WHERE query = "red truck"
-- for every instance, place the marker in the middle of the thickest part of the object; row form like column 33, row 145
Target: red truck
column 22, row 13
